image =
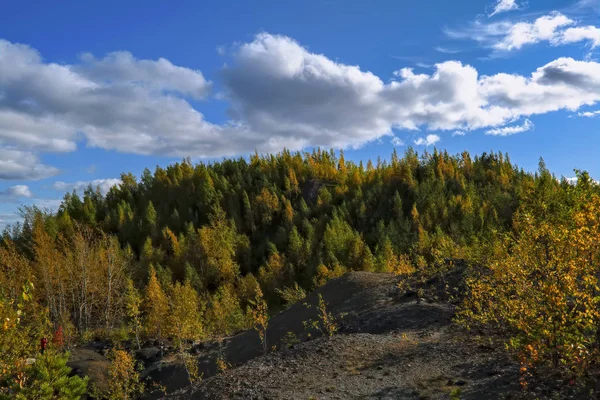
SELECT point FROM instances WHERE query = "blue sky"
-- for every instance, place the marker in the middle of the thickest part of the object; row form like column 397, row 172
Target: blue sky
column 92, row 89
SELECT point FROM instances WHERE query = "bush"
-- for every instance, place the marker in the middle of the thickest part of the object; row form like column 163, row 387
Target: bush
column 543, row 292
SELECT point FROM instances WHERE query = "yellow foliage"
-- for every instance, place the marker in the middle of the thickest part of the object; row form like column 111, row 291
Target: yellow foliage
column 185, row 313
column 259, row 315
column 156, row 307
column 544, row 289
column 270, row 275
column 124, row 379
column 323, row 274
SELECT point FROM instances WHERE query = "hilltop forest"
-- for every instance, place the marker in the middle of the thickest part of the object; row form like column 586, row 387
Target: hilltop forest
column 188, row 251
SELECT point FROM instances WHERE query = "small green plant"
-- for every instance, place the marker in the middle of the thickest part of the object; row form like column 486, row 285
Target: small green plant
column 455, row 394
column 222, row 364
column 190, row 362
column 259, row 315
column 292, row 294
column 326, row 323
column 290, row 339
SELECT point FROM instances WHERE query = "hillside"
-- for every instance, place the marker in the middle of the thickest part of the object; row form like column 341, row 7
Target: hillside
column 391, row 345
column 187, row 261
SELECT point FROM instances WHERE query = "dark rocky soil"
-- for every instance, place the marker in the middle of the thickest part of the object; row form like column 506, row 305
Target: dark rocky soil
column 391, row 345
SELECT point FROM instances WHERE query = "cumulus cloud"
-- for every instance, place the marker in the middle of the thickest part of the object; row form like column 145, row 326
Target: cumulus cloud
column 279, row 93
column 15, row 192
column 122, row 68
column 277, row 86
column 458, row 133
column 580, row 34
column 510, row 130
column 554, row 28
column 117, row 102
column 428, row 140
column 504, row 6
column 103, row 184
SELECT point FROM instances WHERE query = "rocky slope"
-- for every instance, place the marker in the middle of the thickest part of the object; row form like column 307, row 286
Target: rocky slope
column 392, row 345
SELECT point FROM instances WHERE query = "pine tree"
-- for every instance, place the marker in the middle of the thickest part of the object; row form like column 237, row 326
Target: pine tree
column 50, row 378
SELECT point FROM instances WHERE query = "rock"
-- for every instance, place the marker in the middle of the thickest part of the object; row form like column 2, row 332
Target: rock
column 86, row 362
column 148, row 354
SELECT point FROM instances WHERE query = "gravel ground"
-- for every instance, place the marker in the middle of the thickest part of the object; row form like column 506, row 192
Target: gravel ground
column 392, row 345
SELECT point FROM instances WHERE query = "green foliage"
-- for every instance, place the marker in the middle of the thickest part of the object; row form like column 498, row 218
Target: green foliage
column 23, row 324
column 133, row 303
column 224, row 314
column 291, row 294
column 49, row 378
column 326, row 322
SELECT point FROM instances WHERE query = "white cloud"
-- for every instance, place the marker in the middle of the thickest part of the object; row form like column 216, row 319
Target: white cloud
column 510, row 130
column 554, row 28
column 117, row 102
column 22, row 165
column 396, row 141
column 589, row 114
column 321, row 102
column 504, row 6
column 458, row 133
column 427, row 141
column 573, row 180
column 280, row 95
column 545, row 28
column 80, row 186
column 580, row 34
column 15, row 192
column 121, row 68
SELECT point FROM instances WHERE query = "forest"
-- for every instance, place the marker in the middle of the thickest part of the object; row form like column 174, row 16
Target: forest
column 196, row 251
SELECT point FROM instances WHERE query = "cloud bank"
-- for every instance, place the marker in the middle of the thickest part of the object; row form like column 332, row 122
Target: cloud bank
column 280, row 94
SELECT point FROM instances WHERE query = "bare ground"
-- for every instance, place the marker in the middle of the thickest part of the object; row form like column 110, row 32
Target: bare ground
column 391, row 345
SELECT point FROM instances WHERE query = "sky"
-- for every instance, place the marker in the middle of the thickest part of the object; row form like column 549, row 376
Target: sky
column 91, row 89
